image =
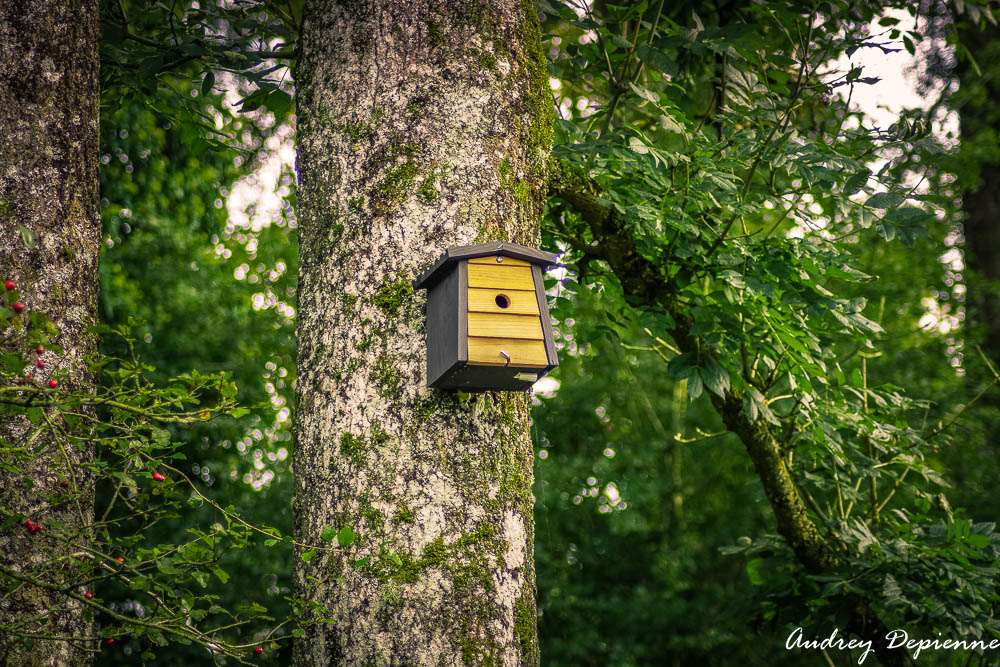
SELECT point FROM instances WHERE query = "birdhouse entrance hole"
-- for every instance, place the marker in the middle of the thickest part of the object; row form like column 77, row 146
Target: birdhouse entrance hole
column 502, row 300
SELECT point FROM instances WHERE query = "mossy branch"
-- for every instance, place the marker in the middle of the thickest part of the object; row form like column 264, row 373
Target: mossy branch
column 644, row 282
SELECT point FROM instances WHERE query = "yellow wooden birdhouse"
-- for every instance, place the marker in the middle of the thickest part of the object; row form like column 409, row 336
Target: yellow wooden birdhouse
column 487, row 318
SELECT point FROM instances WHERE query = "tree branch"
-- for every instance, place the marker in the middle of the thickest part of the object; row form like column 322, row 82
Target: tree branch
column 645, row 283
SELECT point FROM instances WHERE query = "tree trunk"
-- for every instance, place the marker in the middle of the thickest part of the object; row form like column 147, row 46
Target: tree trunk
column 979, row 121
column 49, row 244
column 421, row 125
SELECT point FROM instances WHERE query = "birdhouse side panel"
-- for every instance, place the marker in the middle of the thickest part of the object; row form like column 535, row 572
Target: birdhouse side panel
column 447, row 327
column 543, row 314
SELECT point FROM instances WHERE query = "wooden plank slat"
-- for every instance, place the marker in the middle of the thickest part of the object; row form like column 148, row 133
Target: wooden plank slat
column 519, row 302
column 490, row 325
column 524, row 353
column 500, row 276
column 507, row 261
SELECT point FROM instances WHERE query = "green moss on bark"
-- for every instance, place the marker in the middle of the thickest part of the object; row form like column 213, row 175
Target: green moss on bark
column 353, row 447
column 525, row 622
column 387, row 377
column 391, row 298
column 403, row 514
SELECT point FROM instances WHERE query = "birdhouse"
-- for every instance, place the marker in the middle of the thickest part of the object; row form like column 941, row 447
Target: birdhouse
column 487, row 318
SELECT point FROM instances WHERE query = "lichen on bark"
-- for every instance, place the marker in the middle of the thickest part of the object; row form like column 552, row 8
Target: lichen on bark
column 49, row 243
column 407, row 113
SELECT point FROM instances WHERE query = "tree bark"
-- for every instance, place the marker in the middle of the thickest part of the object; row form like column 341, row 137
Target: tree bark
column 422, row 124
column 49, row 245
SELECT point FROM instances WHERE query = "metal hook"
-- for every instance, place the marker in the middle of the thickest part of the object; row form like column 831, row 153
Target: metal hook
column 505, row 356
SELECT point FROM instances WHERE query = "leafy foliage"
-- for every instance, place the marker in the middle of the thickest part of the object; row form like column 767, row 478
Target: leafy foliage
column 117, row 554
column 165, row 56
column 749, row 199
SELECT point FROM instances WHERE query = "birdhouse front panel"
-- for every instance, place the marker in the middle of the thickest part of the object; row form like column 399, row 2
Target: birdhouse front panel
column 487, row 318
column 504, row 324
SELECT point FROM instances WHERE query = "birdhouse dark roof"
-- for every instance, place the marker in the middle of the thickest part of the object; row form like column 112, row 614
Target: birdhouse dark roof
column 441, row 267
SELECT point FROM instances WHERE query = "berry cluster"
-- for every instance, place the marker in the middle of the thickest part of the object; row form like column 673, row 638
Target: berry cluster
column 10, row 286
column 33, row 527
column 18, row 308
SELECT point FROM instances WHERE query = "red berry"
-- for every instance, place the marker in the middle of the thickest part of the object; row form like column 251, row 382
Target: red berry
column 37, row 528
column 120, row 559
column 30, row 376
column 88, row 595
column 18, row 307
column 64, row 484
column 258, row 650
column 39, row 349
column 53, row 383
column 9, row 285
column 40, row 364
column 21, row 381
column 158, row 477
column 29, row 523
column 109, row 641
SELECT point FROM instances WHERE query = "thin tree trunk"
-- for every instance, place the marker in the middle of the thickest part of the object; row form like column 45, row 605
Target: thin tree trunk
column 421, row 125
column 49, row 244
column 979, row 120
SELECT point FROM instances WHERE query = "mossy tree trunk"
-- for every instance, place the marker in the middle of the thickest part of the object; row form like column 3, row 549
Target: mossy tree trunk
column 421, row 125
column 49, row 244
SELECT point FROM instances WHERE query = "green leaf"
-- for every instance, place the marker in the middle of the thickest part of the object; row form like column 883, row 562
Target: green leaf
column 157, row 637
column 28, row 236
column 753, row 572
column 908, row 215
column 278, row 102
column 716, row 377
column 35, row 415
column 645, row 93
column 220, row 574
column 856, row 182
column 754, row 406
column 636, row 145
column 978, row 541
column 327, row 534
column 682, row 366
column 656, row 59
column 308, row 555
column 694, row 386
column 208, row 82
column 346, row 537
column 618, row 40
column 885, row 200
